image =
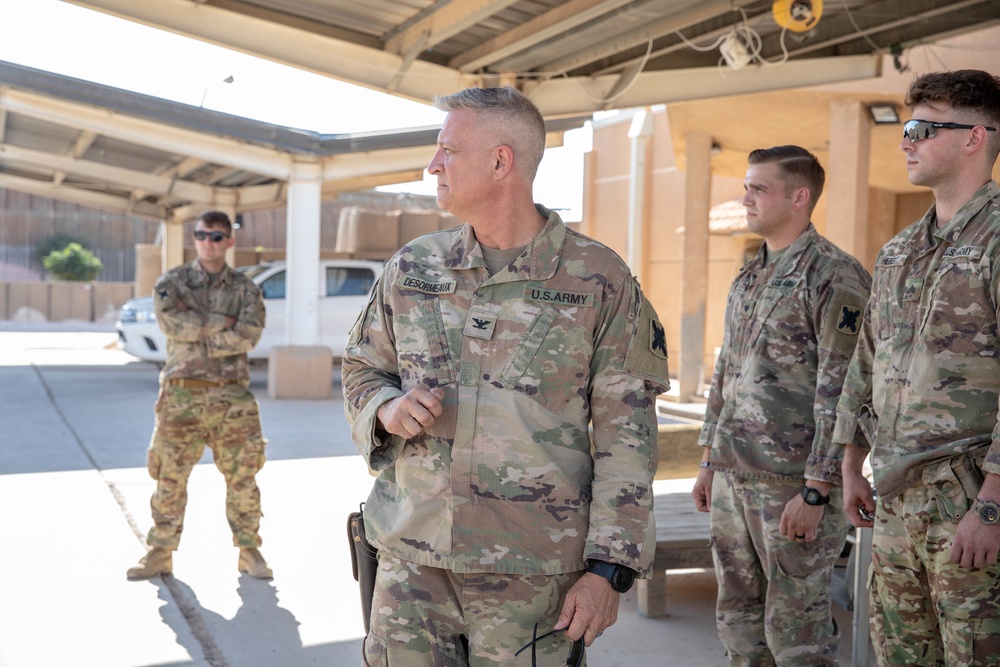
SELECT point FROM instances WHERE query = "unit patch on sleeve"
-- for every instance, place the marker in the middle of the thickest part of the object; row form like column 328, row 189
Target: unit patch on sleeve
column 849, row 320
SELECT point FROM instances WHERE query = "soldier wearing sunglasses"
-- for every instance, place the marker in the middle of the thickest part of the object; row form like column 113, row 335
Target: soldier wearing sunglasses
column 924, row 385
column 212, row 317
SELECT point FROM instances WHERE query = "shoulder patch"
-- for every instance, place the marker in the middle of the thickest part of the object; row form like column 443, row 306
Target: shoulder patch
column 647, row 355
column 849, row 320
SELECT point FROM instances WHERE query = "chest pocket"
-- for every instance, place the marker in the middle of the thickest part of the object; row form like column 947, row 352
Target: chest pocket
column 896, row 302
column 550, row 362
column 761, row 315
column 425, row 357
column 959, row 307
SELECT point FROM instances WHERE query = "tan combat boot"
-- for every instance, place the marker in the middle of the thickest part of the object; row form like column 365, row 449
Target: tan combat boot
column 156, row 561
column 254, row 564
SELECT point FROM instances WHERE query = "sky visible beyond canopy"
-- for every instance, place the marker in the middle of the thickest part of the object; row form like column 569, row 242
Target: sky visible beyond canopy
column 81, row 43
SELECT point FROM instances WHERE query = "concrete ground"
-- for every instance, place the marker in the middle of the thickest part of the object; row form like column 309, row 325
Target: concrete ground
column 75, row 418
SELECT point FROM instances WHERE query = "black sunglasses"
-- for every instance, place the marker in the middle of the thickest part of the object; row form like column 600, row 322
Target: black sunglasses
column 918, row 130
column 216, row 237
column 576, row 650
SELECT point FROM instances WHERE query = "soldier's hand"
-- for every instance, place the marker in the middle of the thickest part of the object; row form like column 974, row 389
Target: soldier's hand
column 858, row 494
column 800, row 521
column 590, row 608
column 976, row 544
column 412, row 413
column 702, row 490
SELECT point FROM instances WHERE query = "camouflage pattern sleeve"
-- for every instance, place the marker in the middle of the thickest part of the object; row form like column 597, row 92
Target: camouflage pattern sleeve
column 245, row 303
column 841, row 303
column 371, row 377
column 713, row 406
column 856, row 397
column 177, row 313
column 623, row 395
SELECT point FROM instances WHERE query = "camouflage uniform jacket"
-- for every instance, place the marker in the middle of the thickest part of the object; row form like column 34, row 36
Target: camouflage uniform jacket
column 505, row 480
column 924, row 382
column 191, row 310
column 790, row 330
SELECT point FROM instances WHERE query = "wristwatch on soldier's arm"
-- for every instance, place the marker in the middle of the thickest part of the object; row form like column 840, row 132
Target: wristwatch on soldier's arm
column 987, row 511
column 619, row 576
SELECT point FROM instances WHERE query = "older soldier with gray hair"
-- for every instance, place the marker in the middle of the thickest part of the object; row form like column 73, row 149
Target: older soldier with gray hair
column 792, row 322
column 925, row 383
column 212, row 316
column 470, row 382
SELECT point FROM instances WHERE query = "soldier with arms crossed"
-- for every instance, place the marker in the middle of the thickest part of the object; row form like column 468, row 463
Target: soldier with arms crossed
column 212, row 317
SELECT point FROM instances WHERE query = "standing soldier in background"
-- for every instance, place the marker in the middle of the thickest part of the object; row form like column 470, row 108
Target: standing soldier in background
column 927, row 369
column 212, row 317
column 792, row 322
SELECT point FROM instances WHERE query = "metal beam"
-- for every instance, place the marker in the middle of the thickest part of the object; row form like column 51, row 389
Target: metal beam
column 442, row 21
column 560, row 96
column 83, row 197
column 287, row 43
column 549, row 25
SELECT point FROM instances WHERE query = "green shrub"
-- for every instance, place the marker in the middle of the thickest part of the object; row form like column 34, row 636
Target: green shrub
column 57, row 241
column 74, row 262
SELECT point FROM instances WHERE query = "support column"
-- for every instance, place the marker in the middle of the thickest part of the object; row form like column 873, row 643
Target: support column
column 302, row 368
column 694, row 278
column 231, row 252
column 640, row 136
column 172, row 236
column 847, row 177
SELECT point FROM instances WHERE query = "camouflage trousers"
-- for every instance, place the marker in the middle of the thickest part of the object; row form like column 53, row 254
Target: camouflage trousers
column 227, row 419
column 926, row 610
column 774, row 605
column 425, row 616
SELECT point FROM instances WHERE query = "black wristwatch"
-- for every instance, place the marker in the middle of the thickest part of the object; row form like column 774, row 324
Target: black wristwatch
column 813, row 496
column 619, row 576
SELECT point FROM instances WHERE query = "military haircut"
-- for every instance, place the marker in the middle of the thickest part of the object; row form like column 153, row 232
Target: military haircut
column 973, row 93
column 217, row 220
column 798, row 167
column 510, row 117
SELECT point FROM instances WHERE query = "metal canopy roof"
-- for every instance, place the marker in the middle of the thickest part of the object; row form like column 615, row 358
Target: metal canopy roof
column 570, row 56
column 117, row 150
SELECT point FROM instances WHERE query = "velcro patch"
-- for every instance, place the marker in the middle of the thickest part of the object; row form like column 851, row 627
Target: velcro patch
column 426, row 286
column 784, row 283
column 892, row 260
column 558, row 297
column 647, row 355
column 480, row 324
column 849, row 320
column 969, row 251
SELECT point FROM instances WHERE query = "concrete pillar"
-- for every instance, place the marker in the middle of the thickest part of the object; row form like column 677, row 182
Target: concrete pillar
column 694, row 279
column 231, row 252
column 302, row 368
column 172, row 235
column 847, row 177
column 640, row 136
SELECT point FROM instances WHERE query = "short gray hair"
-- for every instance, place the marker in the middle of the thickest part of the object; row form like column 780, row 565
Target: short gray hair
column 510, row 116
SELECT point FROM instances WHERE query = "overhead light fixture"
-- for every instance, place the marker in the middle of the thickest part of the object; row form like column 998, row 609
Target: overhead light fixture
column 883, row 114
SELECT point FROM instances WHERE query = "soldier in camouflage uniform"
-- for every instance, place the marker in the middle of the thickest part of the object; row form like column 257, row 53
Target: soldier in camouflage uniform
column 924, row 386
column 470, row 381
column 212, row 316
column 792, row 321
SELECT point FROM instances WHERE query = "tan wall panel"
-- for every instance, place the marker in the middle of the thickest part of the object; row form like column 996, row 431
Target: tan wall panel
column 69, row 301
column 911, row 207
column 28, row 301
column 609, row 223
column 109, row 298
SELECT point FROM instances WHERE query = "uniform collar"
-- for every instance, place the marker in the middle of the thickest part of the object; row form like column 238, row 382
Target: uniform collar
column 970, row 209
column 539, row 260
column 198, row 276
column 789, row 260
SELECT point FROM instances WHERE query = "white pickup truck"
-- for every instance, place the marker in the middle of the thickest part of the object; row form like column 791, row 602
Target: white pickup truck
column 344, row 285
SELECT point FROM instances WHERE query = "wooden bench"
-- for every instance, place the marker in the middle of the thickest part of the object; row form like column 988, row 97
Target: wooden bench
column 681, row 531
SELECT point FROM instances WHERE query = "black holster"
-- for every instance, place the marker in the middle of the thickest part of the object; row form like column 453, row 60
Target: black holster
column 364, row 562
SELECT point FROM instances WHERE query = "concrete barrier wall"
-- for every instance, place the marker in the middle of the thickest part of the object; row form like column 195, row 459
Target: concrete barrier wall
column 58, row 301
